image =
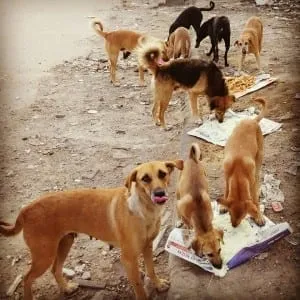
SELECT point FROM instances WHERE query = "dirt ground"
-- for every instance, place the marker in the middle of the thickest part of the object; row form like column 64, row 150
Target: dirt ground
column 79, row 130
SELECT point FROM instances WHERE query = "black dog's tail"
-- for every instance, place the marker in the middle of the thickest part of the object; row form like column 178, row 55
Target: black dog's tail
column 195, row 152
column 211, row 7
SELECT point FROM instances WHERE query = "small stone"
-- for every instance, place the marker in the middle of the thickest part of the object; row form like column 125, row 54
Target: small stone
column 86, row 275
column 92, row 111
column 10, row 174
column 59, row 116
column 262, row 256
column 69, row 272
column 104, row 253
column 79, row 269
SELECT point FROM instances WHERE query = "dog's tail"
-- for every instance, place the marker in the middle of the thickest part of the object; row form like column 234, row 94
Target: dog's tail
column 12, row 229
column 195, row 152
column 98, row 27
column 149, row 55
column 262, row 113
column 211, row 6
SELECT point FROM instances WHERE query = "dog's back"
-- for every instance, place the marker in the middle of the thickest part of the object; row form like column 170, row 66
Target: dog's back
column 192, row 190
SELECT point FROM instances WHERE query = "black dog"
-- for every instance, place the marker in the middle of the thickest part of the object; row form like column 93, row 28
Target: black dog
column 192, row 16
column 217, row 28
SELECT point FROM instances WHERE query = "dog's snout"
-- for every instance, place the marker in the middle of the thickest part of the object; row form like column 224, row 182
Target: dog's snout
column 244, row 51
column 159, row 192
column 218, row 265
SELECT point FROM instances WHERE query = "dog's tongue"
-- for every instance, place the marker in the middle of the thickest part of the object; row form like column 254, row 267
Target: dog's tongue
column 157, row 199
column 160, row 61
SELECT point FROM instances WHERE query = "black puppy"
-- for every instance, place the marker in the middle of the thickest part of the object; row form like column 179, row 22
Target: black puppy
column 192, row 16
column 217, row 28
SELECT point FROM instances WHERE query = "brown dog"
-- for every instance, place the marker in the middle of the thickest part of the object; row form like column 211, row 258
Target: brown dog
column 116, row 41
column 194, row 207
column 193, row 75
column 127, row 217
column 251, row 40
column 242, row 164
column 179, row 44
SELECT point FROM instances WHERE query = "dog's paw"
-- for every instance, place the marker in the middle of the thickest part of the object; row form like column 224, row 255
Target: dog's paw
column 179, row 224
column 198, row 122
column 70, row 287
column 162, row 285
column 260, row 220
column 223, row 209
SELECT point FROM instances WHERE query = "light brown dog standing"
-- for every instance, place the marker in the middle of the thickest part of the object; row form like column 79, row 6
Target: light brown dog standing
column 179, row 44
column 251, row 40
column 116, row 41
column 127, row 217
column 242, row 164
column 194, row 207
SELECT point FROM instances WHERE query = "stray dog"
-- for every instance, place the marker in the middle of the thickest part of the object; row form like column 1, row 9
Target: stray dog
column 218, row 29
column 251, row 40
column 179, row 44
column 194, row 75
column 242, row 164
column 127, row 217
column 194, row 207
column 192, row 16
column 116, row 41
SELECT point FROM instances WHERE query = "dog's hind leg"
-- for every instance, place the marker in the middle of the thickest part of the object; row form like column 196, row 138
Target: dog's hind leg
column 257, row 56
column 63, row 249
column 198, row 30
column 42, row 257
column 160, row 284
column 130, row 262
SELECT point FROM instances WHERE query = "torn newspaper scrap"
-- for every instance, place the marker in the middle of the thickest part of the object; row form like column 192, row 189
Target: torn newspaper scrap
column 218, row 133
column 240, row 243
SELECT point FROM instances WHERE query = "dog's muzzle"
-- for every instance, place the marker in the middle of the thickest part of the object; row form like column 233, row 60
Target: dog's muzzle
column 159, row 196
column 244, row 51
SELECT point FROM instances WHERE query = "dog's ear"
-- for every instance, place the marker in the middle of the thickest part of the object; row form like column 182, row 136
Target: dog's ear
column 223, row 201
column 220, row 235
column 178, row 163
column 196, row 246
column 214, row 103
column 131, row 178
column 236, row 43
column 251, row 207
column 229, row 101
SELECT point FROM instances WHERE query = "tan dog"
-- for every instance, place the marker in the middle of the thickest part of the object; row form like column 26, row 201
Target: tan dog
column 194, row 207
column 179, row 44
column 242, row 164
column 116, row 41
column 126, row 217
column 251, row 40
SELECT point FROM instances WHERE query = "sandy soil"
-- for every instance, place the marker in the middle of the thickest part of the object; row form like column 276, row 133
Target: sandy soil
column 54, row 74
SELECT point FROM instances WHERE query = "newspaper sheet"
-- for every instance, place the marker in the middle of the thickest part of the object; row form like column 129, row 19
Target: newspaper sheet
column 240, row 243
column 218, row 133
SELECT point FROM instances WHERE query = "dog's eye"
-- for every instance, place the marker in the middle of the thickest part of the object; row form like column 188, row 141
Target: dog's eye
column 161, row 174
column 146, row 178
column 219, row 251
column 246, row 43
column 240, row 44
column 209, row 254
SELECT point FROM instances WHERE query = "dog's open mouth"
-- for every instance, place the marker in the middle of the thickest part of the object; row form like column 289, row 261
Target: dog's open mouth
column 159, row 199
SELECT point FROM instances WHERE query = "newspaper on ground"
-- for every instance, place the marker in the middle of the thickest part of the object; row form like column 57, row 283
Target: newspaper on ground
column 261, row 81
column 218, row 133
column 240, row 243
column 270, row 190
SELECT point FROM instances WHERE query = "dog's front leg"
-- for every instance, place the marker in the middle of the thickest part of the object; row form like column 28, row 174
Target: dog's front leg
column 131, row 265
column 160, row 284
column 196, row 110
column 257, row 56
column 141, row 74
column 242, row 61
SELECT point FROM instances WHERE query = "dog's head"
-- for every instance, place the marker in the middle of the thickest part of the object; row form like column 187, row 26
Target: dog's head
column 238, row 209
column 152, row 179
column 220, row 104
column 209, row 245
column 243, row 44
